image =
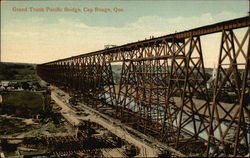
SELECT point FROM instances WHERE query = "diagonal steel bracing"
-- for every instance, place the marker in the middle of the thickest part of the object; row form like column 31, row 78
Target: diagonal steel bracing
column 229, row 124
column 163, row 92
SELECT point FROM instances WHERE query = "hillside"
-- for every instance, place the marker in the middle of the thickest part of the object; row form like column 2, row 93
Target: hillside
column 17, row 71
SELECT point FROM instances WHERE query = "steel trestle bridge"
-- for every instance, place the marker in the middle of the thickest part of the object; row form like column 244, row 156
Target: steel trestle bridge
column 162, row 90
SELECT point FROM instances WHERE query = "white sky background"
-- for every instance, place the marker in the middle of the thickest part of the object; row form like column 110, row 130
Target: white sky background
column 43, row 37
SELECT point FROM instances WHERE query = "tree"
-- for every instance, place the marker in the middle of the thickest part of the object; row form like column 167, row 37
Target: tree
column 25, row 85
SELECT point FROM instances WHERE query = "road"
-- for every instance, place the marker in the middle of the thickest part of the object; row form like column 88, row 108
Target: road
column 94, row 116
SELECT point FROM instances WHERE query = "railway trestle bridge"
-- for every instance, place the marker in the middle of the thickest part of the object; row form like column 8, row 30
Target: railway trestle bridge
column 162, row 90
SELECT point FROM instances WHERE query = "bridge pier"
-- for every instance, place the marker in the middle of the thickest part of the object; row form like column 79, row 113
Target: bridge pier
column 232, row 75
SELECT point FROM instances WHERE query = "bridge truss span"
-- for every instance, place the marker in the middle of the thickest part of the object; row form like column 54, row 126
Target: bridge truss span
column 163, row 89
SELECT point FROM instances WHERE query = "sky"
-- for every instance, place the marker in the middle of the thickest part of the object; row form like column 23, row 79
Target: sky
column 41, row 31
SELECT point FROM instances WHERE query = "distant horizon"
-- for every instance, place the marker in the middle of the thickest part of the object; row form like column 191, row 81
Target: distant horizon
column 44, row 31
column 18, row 63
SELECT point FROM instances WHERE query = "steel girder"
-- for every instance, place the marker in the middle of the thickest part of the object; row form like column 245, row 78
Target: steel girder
column 229, row 123
column 163, row 89
column 157, row 94
column 89, row 78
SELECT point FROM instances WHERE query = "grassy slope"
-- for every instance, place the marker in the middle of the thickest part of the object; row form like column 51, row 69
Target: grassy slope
column 22, row 103
column 17, row 72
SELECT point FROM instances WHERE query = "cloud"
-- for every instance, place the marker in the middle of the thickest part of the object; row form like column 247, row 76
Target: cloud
column 68, row 37
column 156, row 23
column 226, row 15
column 72, row 23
